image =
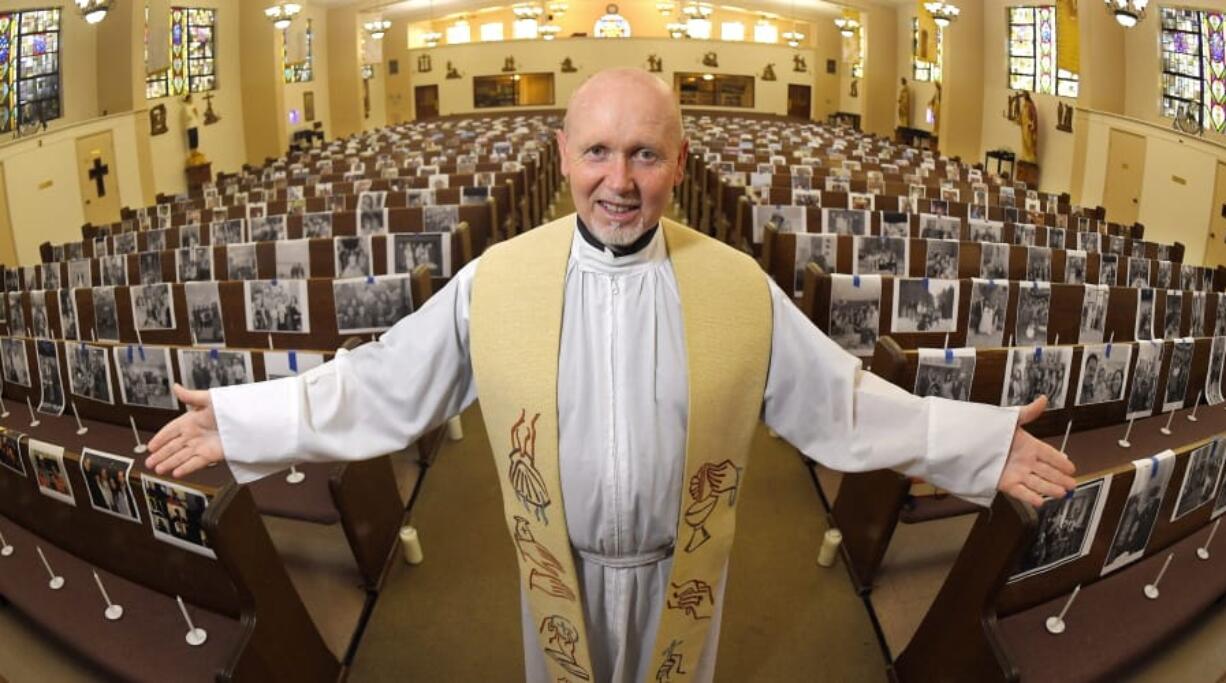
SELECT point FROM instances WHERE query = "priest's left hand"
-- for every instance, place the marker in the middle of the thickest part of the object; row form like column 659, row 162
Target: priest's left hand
column 1033, row 469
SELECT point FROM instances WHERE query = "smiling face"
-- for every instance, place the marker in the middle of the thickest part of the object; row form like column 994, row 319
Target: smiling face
column 622, row 151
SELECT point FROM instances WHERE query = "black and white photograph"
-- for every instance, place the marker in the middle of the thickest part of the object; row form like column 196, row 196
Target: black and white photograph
column 1025, row 234
column 951, row 194
column 782, row 218
column 232, row 231
column 106, row 314
column 1104, row 373
column 1108, row 269
column 51, row 395
column 908, row 204
column 420, row 197
column 1057, row 238
column 293, row 259
column 806, row 197
column 176, row 513
column 279, row 364
column 976, row 212
column 1196, row 328
column 941, row 259
column 68, row 314
column 1179, row 375
column 440, row 218
column 939, row 207
column 1094, row 313
column 855, row 312
column 834, row 184
column 1089, row 242
column 1033, row 312
column 802, row 182
column 372, row 222
column 1145, row 313
column 1138, row 271
column 843, row 221
column 107, row 481
column 212, row 368
column 1164, row 274
column 474, row 196
column 817, row 248
column 241, row 262
column 985, row 325
column 1038, row 264
column 895, row 224
column 880, row 255
column 16, row 361
column 407, row 250
column 1074, row 267
column 1188, row 278
column 256, row 209
column 1034, row 372
column 945, row 373
column 1172, row 317
column 17, row 318
column 194, row 264
column 935, row 227
column 368, row 201
column 145, row 376
column 438, row 181
column 80, row 272
column 155, row 240
column 1200, row 478
column 1213, row 376
column 39, row 318
column 29, row 276
column 114, row 270
column 1066, row 529
column 125, row 243
column 153, row 307
column 277, row 306
column 50, row 275
column 89, row 372
column 1144, row 392
column 352, row 256
column 366, row 305
column 860, row 201
column 268, row 228
column 10, row 452
column 985, row 231
column 925, row 305
column 189, row 236
column 318, row 224
column 49, row 470
column 1149, row 483
column 149, row 263
column 204, row 315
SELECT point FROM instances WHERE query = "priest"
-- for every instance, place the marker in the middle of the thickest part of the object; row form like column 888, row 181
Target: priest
column 622, row 362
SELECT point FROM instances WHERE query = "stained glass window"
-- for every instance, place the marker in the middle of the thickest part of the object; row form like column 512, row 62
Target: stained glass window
column 193, row 50
column 1213, row 30
column 1032, row 53
column 920, row 69
column 1194, row 66
column 300, row 72
column 29, row 67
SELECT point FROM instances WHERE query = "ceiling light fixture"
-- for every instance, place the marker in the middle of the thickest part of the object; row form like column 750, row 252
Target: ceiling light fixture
column 282, row 14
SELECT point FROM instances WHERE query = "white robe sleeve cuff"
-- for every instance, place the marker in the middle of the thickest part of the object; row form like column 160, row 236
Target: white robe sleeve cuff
column 258, row 425
column 967, row 447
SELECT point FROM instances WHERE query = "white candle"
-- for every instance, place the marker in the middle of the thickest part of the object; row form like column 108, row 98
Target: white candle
column 411, row 545
column 829, row 551
column 455, row 430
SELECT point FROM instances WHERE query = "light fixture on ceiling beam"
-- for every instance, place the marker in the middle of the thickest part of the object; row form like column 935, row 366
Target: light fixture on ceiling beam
column 1127, row 12
column 847, row 26
column 94, row 11
column 282, row 14
column 793, row 37
column 943, row 13
column 557, row 8
column 548, row 31
column 377, row 28
column 527, row 10
column 664, row 8
column 697, row 10
column 676, row 29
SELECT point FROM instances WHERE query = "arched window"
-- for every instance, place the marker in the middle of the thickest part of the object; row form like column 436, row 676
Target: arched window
column 192, row 54
column 299, row 72
column 612, row 24
column 29, row 67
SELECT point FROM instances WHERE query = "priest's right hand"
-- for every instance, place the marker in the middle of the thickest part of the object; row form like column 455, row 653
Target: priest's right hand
column 189, row 442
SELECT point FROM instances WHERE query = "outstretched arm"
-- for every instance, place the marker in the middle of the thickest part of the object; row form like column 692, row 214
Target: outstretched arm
column 374, row 400
column 822, row 402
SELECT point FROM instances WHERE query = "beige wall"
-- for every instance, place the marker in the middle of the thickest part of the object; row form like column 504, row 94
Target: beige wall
column 294, row 92
column 879, row 87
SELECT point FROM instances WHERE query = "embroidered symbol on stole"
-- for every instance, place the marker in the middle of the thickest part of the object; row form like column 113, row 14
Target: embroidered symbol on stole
column 694, row 597
column 526, row 480
column 546, row 574
column 711, row 481
column 671, row 664
column 560, row 637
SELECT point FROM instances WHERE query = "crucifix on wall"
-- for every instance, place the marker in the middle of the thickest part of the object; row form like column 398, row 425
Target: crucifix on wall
column 97, row 173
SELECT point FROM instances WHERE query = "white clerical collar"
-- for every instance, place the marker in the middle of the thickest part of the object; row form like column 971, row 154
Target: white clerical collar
column 599, row 259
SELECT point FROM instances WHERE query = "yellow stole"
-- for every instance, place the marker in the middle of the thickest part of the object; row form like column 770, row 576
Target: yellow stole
column 515, row 331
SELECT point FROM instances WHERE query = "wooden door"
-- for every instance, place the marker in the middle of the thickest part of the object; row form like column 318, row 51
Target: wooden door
column 425, row 101
column 800, row 98
column 98, row 177
column 1125, row 169
column 1215, row 246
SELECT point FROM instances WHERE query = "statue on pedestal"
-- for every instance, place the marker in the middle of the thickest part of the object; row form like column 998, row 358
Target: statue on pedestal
column 191, row 125
column 904, row 105
column 1028, row 119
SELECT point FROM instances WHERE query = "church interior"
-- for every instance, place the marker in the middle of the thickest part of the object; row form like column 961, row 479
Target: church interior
column 983, row 200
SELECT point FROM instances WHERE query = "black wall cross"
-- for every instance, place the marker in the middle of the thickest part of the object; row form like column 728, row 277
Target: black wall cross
column 98, row 175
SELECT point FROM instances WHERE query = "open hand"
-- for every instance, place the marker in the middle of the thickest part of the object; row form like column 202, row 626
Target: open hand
column 189, row 442
column 1034, row 469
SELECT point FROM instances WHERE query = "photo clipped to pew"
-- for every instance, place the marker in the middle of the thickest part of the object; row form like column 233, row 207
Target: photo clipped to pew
column 232, row 231
column 1144, row 391
column 149, row 267
column 106, row 314
column 1137, row 521
column 1093, row 313
column 277, row 306
column 89, row 372
column 941, row 259
column 945, row 373
column 189, row 236
column 352, row 256
column 372, row 222
column 925, row 305
column 870, row 255
column 440, row 218
column 1196, row 328
column 1075, row 267
column 1138, row 271
column 204, row 317
column 69, row 327
column 50, row 275
column 51, row 395
column 38, row 314
column 268, row 228
column 1104, row 373
column 985, row 323
column 1038, row 264
column 49, row 471
column 843, row 222
column 371, row 304
column 1145, row 313
column 1038, row 371
column 10, row 452
column 176, row 514
column 145, row 376
column 936, row 227
column 993, row 261
column 1179, row 375
column 279, row 364
column 1173, row 316
column 80, row 272
column 194, row 264
column 241, row 262
column 1200, row 479
column 212, row 368
column 985, row 231
column 1108, row 269
column 153, row 307
column 806, row 198
column 783, row 218
column 895, row 224
column 107, row 480
column 1213, row 377
column 1066, row 529
column 1025, row 234
column 317, row 225
column 17, row 320
column 855, row 312
column 1033, row 313
column 1056, row 238
column 114, row 270
column 407, row 250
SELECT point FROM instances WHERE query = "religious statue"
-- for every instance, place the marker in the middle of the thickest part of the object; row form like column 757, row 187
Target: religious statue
column 568, row 67
column 710, row 59
column 799, row 65
column 904, row 105
column 1064, row 117
column 508, row 64
column 655, row 64
column 768, row 74
column 210, row 116
column 424, row 65
column 1028, row 119
column 452, row 72
column 934, row 110
column 190, row 115
column 854, row 90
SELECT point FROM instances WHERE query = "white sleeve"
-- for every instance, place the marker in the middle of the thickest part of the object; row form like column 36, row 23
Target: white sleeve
column 374, row 400
column 823, row 403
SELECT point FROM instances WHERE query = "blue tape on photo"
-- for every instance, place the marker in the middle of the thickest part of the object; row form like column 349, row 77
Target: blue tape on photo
column 1107, row 353
column 949, row 355
column 214, row 354
column 925, row 284
column 141, row 349
column 129, row 353
column 293, row 362
column 1153, row 466
column 1038, row 353
column 370, row 279
column 855, row 280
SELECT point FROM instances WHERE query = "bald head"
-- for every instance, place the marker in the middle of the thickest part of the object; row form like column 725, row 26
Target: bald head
column 625, row 84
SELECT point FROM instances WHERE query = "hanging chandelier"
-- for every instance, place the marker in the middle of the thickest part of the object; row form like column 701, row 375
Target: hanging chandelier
column 664, row 8
column 548, row 31
column 847, row 26
column 377, row 28
column 676, row 29
column 94, row 11
column 1127, row 12
column 697, row 10
column 527, row 10
column 557, row 8
column 793, row 37
column 282, row 14
column 943, row 13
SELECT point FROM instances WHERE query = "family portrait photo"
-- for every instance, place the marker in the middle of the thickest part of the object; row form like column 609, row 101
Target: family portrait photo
column 176, row 514
column 145, row 376
column 855, row 312
column 1030, row 373
column 49, row 471
column 880, row 255
column 277, row 306
column 107, row 481
column 1104, row 373
column 293, row 259
column 241, row 262
column 408, row 250
column 89, row 372
column 925, row 305
column 212, row 368
column 153, row 307
column 1066, row 529
column 364, row 306
column 1149, row 482
column 204, row 313
column 985, row 323
column 818, row 249
column 945, row 373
